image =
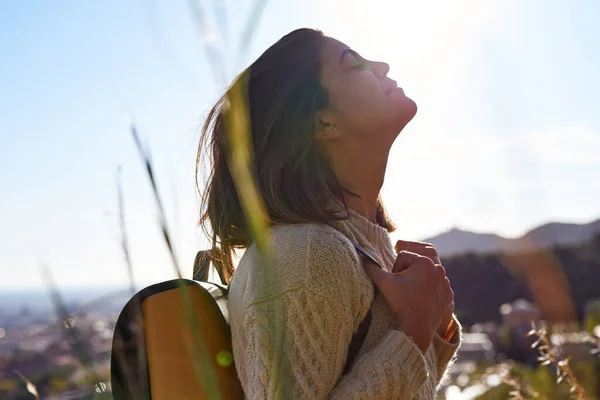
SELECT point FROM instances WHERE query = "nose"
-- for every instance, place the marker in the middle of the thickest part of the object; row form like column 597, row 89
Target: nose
column 382, row 68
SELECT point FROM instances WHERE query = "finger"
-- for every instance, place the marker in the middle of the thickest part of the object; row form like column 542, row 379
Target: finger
column 408, row 243
column 446, row 294
column 424, row 249
column 413, row 243
column 430, row 252
column 402, row 264
column 440, row 273
column 404, row 260
column 448, row 286
column 418, row 249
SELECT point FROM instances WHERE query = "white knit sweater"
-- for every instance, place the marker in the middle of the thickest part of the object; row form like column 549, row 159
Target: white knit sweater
column 293, row 317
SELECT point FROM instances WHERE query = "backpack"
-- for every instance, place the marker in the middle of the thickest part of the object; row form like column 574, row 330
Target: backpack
column 150, row 356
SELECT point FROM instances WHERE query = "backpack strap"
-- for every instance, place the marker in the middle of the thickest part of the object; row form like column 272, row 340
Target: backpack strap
column 358, row 338
column 357, row 341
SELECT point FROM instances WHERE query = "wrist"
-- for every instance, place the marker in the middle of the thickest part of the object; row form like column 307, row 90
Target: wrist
column 421, row 337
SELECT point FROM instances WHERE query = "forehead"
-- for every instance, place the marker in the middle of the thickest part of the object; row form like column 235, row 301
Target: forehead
column 332, row 49
column 331, row 52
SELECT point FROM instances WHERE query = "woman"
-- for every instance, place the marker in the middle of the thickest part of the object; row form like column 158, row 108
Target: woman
column 323, row 120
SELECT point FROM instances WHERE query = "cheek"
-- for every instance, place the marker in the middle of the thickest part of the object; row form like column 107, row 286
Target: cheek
column 362, row 105
column 366, row 108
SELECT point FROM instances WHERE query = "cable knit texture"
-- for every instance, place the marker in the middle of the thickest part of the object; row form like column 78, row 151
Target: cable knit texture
column 292, row 318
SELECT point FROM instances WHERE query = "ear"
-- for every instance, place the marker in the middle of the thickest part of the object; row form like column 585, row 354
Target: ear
column 326, row 126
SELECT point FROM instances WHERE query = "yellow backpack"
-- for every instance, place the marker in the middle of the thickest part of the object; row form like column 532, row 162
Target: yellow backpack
column 150, row 355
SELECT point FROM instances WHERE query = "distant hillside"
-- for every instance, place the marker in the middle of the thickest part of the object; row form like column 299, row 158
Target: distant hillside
column 457, row 241
column 560, row 280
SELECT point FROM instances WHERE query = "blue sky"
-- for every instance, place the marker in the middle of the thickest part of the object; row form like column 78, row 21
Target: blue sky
column 507, row 135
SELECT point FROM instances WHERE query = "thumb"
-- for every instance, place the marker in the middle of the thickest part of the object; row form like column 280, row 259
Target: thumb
column 374, row 272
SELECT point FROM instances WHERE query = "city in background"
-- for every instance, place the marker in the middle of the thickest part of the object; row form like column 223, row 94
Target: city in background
column 507, row 135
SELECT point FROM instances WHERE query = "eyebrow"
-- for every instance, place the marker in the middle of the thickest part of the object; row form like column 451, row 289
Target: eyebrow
column 348, row 50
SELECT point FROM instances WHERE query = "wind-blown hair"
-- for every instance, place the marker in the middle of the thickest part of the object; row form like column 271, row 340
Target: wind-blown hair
column 297, row 185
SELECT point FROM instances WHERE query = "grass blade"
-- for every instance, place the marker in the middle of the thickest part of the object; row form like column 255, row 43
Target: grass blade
column 28, row 385
column 250, row 29
column 124, row 237
column 196, row 348
column 237, row 123
column 210, row 40
column 72, row 334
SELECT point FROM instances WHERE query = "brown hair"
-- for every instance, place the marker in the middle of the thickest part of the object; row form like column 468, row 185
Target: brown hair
column 284, row 93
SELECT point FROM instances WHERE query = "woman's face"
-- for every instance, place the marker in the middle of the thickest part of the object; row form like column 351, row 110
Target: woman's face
column 363, row 101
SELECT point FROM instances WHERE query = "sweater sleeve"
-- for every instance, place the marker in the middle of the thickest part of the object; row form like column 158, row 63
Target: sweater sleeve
column 441, row 353
column 294, row 342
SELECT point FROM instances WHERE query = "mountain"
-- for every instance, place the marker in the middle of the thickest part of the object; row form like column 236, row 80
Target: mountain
column 457, row 241
column 558, row 280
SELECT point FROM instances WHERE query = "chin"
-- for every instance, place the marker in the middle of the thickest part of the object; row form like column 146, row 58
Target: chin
column 411, row 108
column 404, row 111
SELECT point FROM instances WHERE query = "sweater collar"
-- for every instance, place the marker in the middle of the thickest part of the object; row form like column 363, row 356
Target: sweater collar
column 361, row 228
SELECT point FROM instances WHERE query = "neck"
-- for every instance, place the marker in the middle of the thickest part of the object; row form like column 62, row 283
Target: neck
column 364, row 179
column 365, row 207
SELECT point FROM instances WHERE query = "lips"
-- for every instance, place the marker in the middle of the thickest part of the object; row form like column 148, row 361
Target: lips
column 391, row 87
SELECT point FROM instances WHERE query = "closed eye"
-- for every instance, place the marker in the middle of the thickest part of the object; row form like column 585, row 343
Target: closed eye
column 352, row 60
column 360, row 64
